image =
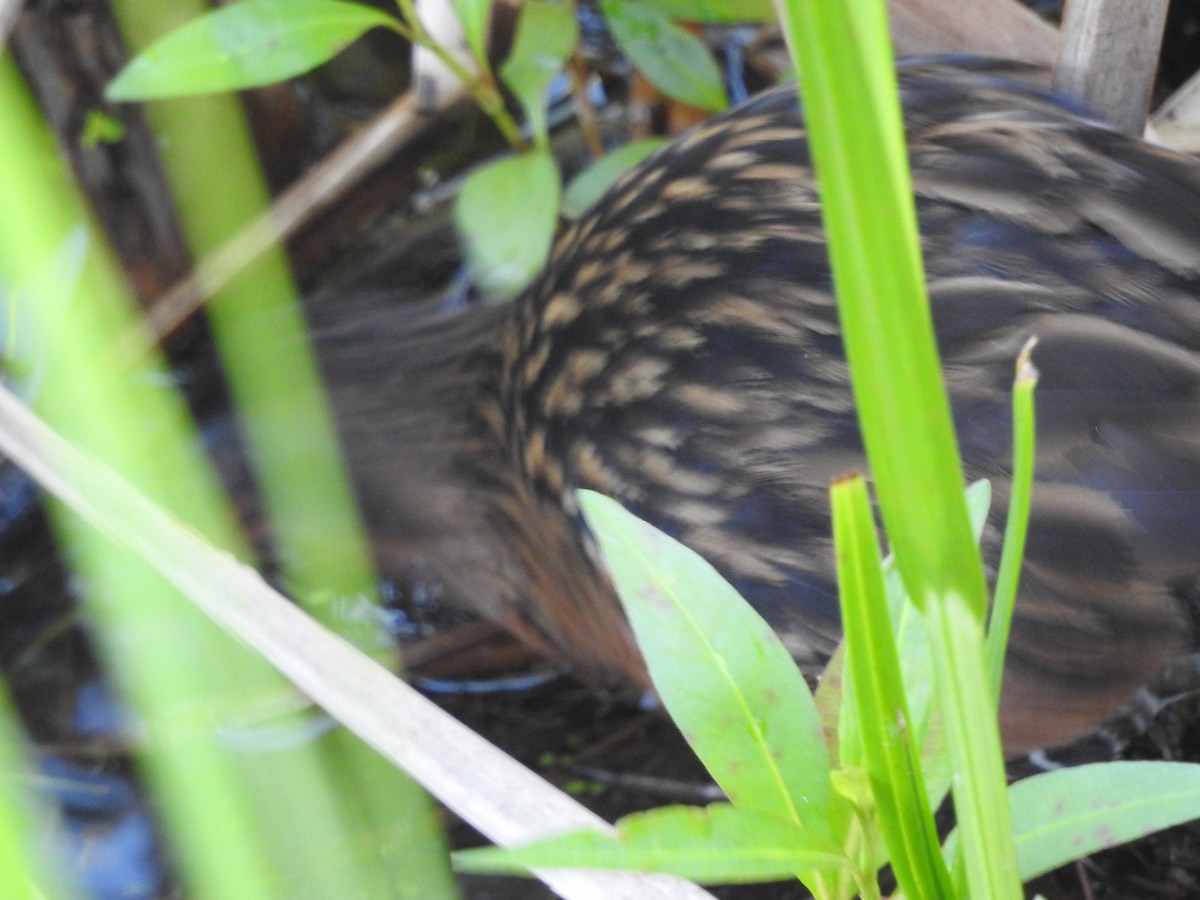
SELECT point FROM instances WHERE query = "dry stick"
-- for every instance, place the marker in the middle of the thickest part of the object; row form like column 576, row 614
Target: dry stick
column 296, row 206
column 1108, row 57
column 488, row 789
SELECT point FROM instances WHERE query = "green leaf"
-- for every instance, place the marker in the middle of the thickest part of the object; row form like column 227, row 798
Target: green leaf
column 873, row 669
column 1069, row 813
column 475, row 16
column 713, row 12
column 719, row 844
column 545, row 38
column 507, row 211
column 676, row 61
column 101, row 128
column 248, row 44
column 917, row 664
column 726, row 679
column 1016, row 526
column 586, row 187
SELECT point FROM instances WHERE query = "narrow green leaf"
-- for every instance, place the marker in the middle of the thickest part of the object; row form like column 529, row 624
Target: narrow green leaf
column 718, row 844
column 676, row 61
column 507, row 212
column 1069, row 813
column 713, row 12
column 586, row 187
column 27, row 871
column 248, row 44
column 728, row 682
column 242, row 824
column 475, row 16
column 546, row 36
column 1017, row 523
column 855, row 131
column 835, row 695
column 873, row 668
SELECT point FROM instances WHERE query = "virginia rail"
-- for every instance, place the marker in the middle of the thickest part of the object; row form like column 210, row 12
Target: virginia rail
column 681, row 353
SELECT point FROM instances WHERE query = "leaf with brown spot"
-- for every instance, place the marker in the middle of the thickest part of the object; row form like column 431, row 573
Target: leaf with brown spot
column 1064, row 815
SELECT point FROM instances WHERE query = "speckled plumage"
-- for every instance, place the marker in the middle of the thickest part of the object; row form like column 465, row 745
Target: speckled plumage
column 681, row 353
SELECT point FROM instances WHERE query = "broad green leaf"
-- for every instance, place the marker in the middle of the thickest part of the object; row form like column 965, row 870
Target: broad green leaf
column 507, row 211
column 718, row 844
column 676, row 61
column 713, row 12
column 1066, row 814
column 586, row 187
column 726, row 679
column 888, row 746
column 545, row 37
column 248, row 44
column 475, row 16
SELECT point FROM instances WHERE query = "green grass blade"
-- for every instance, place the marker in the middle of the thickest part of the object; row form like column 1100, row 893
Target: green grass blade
column 203, row 810
column 244, row 45
column 234, row 816
column 1017, row 523
column 873, row 666
column 856, row 139
column 211, row 165
column 842, row 53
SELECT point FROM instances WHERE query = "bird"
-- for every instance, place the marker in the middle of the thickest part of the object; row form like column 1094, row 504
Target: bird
column 680, row 353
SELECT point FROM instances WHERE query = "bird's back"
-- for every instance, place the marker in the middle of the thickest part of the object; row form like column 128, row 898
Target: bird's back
column 681, row 353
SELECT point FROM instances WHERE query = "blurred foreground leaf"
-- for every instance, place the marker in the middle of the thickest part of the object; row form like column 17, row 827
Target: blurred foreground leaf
column 246, row 44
